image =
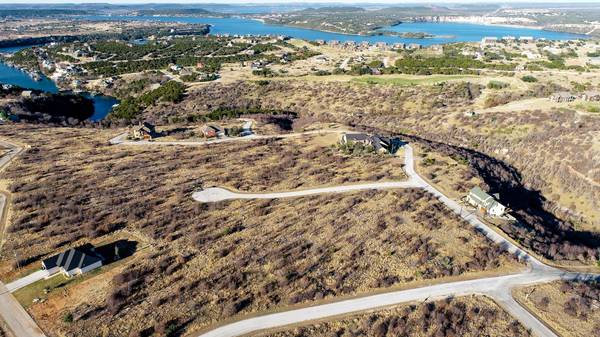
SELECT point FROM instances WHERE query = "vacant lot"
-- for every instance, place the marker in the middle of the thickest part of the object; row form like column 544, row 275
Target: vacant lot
column 542, row 162
column 464, row 316
column 450, row 174
column 409, row 80
column 210, row 262
column 572, row 308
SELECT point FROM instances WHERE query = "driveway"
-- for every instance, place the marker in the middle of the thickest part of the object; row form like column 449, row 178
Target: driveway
column 498, row 288
column 216, row 194
column 27, row 280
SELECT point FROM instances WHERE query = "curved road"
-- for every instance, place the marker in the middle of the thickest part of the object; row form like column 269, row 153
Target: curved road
column 498, row 288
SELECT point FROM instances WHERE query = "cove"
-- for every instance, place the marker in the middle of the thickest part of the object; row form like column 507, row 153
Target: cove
column 10, row 75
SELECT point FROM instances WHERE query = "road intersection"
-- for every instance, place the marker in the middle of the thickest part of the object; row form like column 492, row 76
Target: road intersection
column 499, row 288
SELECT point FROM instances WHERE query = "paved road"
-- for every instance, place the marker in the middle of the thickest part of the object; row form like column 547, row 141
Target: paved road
column 215, row 194
column 498, row 288
column 17, row 319
column 495, row 287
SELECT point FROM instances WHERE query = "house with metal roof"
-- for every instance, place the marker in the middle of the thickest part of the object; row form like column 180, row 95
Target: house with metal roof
column 485, row 202
column 74, row 261
column 144, row 131
column 379, row 143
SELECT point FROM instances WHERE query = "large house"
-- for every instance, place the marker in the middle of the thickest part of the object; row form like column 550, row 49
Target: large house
column 379, row 143
column 562, row 96
column 143, row 131
column 485, row 202
column 211, row 131
column 74, row 261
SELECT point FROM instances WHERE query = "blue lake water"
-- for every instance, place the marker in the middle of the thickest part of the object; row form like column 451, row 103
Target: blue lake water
column 9, row 75
column 460, row 32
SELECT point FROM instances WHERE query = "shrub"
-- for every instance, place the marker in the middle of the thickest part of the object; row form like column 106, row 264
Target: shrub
column 497, row 85
column 67, row 317
column 529, row 79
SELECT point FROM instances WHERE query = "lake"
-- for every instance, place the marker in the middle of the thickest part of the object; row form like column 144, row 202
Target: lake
column 9, row 75
column 460, row 32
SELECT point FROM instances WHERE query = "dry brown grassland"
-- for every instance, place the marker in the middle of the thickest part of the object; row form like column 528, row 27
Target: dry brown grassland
column 206, row 263
column 543, row 162
column 571, row 308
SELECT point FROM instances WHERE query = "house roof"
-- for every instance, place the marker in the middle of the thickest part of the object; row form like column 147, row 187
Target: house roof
column 146, row 127
column 79, row 257
column 212, row 128
column 357, row 137
column 562, row 94
column 482, row 198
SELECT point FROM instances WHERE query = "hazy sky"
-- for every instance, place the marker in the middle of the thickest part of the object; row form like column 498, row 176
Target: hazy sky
column 291, row 1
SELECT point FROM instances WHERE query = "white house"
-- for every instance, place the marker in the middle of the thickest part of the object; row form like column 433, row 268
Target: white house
column 74, row 261
column 488, row 40
column 485, row 202
column 526, row 39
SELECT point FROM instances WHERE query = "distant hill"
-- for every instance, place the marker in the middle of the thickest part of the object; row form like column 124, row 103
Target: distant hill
column 177, row 11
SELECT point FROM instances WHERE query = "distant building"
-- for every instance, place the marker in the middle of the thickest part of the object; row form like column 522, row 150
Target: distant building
column 509, row 38
column 379, row 143
column 488, row 40
column 212, row 131
column 413, row 46
column 144, row 131
column 531, row 55
column 26, row 93
column 562, row 97
column 398, row 46
column 74, row 261
column 485, row 202
column 526, row 39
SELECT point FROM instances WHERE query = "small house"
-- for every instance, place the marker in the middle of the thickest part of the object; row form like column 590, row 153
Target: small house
column 355, row 138
column 485, row 202
column 562, row 96
column 212, row 131
column 74, row 261
column 526, row 39
column 488, row 40
column 144, row 131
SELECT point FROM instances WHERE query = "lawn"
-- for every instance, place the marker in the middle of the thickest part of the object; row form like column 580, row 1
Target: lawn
column 26, row 295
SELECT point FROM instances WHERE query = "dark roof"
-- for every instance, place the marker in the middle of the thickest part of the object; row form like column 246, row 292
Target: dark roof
column 357, row 137
column 213, row 127
column 79, row 257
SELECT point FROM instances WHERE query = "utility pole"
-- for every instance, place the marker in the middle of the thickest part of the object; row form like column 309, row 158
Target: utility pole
column 17, row 261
